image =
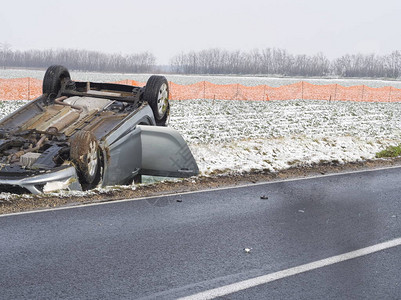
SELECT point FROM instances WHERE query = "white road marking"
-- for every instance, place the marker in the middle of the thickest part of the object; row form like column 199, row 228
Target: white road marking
column 246, row 284
column 199, row 191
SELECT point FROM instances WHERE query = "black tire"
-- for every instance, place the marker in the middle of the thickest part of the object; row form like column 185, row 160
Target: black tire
column 138, row 179
column 157, row 95
column 85, row 154
column 53, row 79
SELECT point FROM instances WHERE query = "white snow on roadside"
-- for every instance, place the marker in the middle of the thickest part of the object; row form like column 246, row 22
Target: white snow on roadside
column 281, row 153
column 239, row 136
column 6, row 197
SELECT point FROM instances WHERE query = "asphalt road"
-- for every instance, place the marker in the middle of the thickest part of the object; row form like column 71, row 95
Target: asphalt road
column 181, row 245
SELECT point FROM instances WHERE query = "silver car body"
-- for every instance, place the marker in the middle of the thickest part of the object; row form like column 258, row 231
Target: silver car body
column 131, row 145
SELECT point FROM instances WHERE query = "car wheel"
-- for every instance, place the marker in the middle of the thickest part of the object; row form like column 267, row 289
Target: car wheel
column 84, row 153
column 53, row 79
column 157, row 94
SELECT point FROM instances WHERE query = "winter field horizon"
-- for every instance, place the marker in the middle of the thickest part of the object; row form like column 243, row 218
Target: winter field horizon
column 241, row 136
column 246, row 80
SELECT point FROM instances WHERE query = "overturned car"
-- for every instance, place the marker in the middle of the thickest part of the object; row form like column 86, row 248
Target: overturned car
column 80, row 135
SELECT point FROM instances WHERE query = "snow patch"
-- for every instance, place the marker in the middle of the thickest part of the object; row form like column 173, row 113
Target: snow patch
column 56, row 186
column 283, row 153
column 241, row 136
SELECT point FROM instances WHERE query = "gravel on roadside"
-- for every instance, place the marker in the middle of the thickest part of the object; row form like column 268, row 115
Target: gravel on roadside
column 21, row 203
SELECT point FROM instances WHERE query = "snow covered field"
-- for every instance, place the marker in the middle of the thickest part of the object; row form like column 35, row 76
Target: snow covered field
column 237, row 136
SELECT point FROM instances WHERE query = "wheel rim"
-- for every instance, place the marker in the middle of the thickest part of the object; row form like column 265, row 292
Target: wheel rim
column 162, row 99
column 92, row 159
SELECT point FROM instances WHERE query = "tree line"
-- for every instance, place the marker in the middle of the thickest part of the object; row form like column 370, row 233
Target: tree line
column 268, row 61
column 82, row 60
column 272, row 61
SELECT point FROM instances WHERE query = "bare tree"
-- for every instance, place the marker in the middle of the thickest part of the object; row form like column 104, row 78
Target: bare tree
column 5, row 49
column 279, row 62
column 268, row 61
column 79, row 60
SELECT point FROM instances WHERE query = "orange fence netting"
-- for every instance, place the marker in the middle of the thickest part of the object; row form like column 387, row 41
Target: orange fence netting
column 20, row 88
column 30, row 88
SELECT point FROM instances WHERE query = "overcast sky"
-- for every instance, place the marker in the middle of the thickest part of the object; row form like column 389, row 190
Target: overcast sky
column 169, row 27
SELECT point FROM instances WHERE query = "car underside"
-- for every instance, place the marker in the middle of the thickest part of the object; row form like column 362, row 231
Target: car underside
column 79, row 135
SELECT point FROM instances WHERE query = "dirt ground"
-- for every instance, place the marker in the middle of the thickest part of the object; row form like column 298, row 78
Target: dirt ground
column 33, row 202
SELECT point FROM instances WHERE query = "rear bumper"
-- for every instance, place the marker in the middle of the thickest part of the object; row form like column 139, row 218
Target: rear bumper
column 65, row 178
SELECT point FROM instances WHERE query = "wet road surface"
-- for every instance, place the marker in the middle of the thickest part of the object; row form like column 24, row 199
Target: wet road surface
column 181, row 245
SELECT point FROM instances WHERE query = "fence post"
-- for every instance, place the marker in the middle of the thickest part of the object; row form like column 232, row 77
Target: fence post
column 264, row 92
column 302, row 95
column 363, row 91
column 29, row 88
column 204, row 89
column 335, row 93
column 237, row 94
column 389, row 95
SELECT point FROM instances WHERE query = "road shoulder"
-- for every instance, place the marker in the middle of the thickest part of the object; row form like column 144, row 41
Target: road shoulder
column 23, row 203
